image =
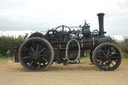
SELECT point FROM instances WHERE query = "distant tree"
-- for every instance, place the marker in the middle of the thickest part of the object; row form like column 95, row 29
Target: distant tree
column 126, row 39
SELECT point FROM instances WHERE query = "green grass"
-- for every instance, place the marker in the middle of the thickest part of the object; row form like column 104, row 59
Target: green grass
column 85, row 58
column 5, row 57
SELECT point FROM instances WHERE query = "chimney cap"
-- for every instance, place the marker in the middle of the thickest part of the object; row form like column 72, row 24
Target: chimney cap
column 100, row 14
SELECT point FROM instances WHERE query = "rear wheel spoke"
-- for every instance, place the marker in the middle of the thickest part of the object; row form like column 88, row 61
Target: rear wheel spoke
column 30, row 64
column 30, row 54
column 37, row 48
column 25, row 48
column 42, row 50
column 38, row 55
column 32, row 49
column 41, row 55
column 44, row 59
column 33, row 44
column 41, row 45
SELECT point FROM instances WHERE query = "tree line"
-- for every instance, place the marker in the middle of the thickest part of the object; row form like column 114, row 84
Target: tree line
column 6, row 43
column 123, row 46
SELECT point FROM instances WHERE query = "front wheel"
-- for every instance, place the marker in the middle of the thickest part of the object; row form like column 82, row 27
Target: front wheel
column 107, row 57
column 36, row 54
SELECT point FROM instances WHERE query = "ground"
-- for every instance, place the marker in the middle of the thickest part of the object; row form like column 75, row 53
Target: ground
column 77, row 74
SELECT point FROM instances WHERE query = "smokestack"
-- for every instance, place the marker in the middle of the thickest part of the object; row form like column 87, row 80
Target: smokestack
column 101, row 23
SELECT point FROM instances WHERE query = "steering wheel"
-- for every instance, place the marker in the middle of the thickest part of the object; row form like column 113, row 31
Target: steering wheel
column 63, row 28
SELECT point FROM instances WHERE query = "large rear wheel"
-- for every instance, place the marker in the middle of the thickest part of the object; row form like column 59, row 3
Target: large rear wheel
column 36, row 54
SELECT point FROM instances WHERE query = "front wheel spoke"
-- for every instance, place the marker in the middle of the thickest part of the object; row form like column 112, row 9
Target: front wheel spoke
column 108, row 51
column 100, row 57
column 108, row 64
column 102, row 62
column 103, row 52
column 114, row 54
column 116, row 60
column 26, row 57
column 112, row 64
column 114, row 57
column 104, row 66
column 98, row 61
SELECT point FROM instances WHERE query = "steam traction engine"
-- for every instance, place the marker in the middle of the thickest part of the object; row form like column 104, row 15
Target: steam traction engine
column 63, row 45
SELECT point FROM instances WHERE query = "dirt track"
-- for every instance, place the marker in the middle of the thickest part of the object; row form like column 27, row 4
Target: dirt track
column 77, row 74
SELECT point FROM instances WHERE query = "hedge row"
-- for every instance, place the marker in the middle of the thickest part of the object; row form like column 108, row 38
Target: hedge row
column 6, row 43
column 123, row 47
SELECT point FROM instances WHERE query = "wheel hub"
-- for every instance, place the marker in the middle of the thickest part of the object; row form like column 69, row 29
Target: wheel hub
column 36, row 55
column 107, row 57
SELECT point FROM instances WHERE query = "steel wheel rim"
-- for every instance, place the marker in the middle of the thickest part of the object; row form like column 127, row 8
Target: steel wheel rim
column 36, row 54
column 107, row 60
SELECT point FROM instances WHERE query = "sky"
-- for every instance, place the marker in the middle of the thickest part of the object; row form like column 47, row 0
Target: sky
column 41, row 15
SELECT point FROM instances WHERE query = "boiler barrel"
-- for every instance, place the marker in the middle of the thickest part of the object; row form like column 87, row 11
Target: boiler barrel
column 94, row 41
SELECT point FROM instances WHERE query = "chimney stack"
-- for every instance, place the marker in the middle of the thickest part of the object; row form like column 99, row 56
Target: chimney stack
column 101, row 23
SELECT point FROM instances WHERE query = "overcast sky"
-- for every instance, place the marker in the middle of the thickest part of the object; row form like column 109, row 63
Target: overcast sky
column 45, row 14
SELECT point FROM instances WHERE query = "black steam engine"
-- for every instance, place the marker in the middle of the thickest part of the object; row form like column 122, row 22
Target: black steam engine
column 67, row 46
